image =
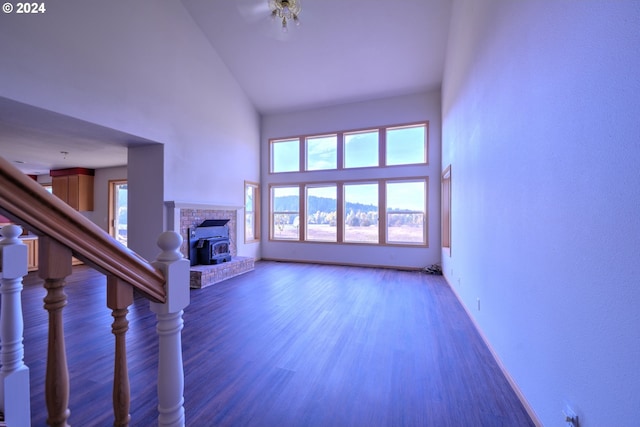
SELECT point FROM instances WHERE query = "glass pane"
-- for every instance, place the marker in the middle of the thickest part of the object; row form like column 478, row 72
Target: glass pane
column 250, row 196
column 406, row 145
column 322, row 153
column 285, row 220
column 361, row 213
column 248, row 201
column 321, row 213
column 249, row 229
column 361, row 149
column 406, row 212
column 285, row 156
column 120, row 209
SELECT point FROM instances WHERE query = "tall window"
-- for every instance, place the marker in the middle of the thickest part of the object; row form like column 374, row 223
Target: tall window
column 359, row 186
column 446, row 208
column 321, row 213
column 118, row 210
column 361, row 213
column 251, row 212
column 406, row 211
column 285, row 212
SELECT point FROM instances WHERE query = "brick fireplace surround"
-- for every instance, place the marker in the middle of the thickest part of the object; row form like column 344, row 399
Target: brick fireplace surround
column 181, row 216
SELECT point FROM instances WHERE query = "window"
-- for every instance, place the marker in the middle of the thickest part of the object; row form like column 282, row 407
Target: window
column 361, row 213
column 355, row 187
column 118, row 210
column 446, row 208
column 251, row 212
column 322, row 152
column 321, row 213
column 285, row 213
column 406, row 145
column 361, row 149
column 285, row 155
column 406, row 211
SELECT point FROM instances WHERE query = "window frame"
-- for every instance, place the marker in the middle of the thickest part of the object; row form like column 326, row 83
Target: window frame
column 301, row 153
column 111, row 212
column 307, row 151
column 344, row 148
column 273, row 213
column 406, row 126
column 342, row 176
column 344, row 218
column 445, row 213
column 341, row 213
column 307, row 187
column 340, row 147
column 425, row 212
column 255, row 213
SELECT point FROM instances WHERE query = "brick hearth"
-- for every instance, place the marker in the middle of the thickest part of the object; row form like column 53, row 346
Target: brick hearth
column 207, row 275
column 189, row 215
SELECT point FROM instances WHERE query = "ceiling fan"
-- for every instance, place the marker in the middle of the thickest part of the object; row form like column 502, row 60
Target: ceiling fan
column 284, row 14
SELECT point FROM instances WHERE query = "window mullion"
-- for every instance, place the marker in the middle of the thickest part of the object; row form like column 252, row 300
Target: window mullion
column 382, row 147
column 382, row 211
column 302, row 213
column 340, row 148
column 340, row 212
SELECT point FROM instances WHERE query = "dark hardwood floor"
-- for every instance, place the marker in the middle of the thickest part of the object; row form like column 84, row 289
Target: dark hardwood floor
column 287, row 345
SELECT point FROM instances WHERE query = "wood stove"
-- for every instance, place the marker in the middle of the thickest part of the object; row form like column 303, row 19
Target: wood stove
column 209, row 242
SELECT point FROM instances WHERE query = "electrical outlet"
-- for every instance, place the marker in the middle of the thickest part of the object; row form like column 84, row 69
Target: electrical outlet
column 478, row 304
column 570, row 417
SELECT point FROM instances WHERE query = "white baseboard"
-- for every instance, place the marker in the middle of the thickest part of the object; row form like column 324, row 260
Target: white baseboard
column 512, row 383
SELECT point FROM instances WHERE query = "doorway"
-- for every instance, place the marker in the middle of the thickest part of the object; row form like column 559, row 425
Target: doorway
column 118, row 210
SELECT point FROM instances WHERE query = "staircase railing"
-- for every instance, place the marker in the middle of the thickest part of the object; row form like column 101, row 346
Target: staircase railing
column 63, row 233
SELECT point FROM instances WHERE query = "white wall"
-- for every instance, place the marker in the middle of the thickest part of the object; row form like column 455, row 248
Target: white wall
column 541, row 128
column 146, row 69
column 145, row 207
column 390, row 111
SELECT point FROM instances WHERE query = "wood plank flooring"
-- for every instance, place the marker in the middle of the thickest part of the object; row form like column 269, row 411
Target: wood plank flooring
column 287, row 345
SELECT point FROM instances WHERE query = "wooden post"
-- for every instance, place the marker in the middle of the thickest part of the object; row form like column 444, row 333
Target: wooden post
column 119, row 298
column 15, row 393
column 170, row 323
column 54, row 266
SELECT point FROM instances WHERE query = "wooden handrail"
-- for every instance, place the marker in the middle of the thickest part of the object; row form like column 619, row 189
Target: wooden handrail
column 27, row 203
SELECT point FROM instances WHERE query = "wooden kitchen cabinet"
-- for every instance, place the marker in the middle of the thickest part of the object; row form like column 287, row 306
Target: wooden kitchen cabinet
column 75, row 187
column 32, row 253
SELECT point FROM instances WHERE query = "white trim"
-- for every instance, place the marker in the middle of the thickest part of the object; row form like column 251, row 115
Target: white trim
column 195, row 205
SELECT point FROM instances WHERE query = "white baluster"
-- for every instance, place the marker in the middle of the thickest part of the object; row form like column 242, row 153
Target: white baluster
column 14, row 375
column 169, row 328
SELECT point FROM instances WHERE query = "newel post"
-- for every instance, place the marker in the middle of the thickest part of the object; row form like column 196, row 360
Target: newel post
column 169, row 328
column 15, row 394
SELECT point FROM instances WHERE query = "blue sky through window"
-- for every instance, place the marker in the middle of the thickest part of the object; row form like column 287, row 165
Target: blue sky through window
column 322, row 152
column 406, row 145
column 361, row 149
column 366, row 194
column 406, row 196
column 286, row 155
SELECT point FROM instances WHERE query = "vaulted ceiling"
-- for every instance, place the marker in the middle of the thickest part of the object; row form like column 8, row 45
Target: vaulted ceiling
column 343, row 51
